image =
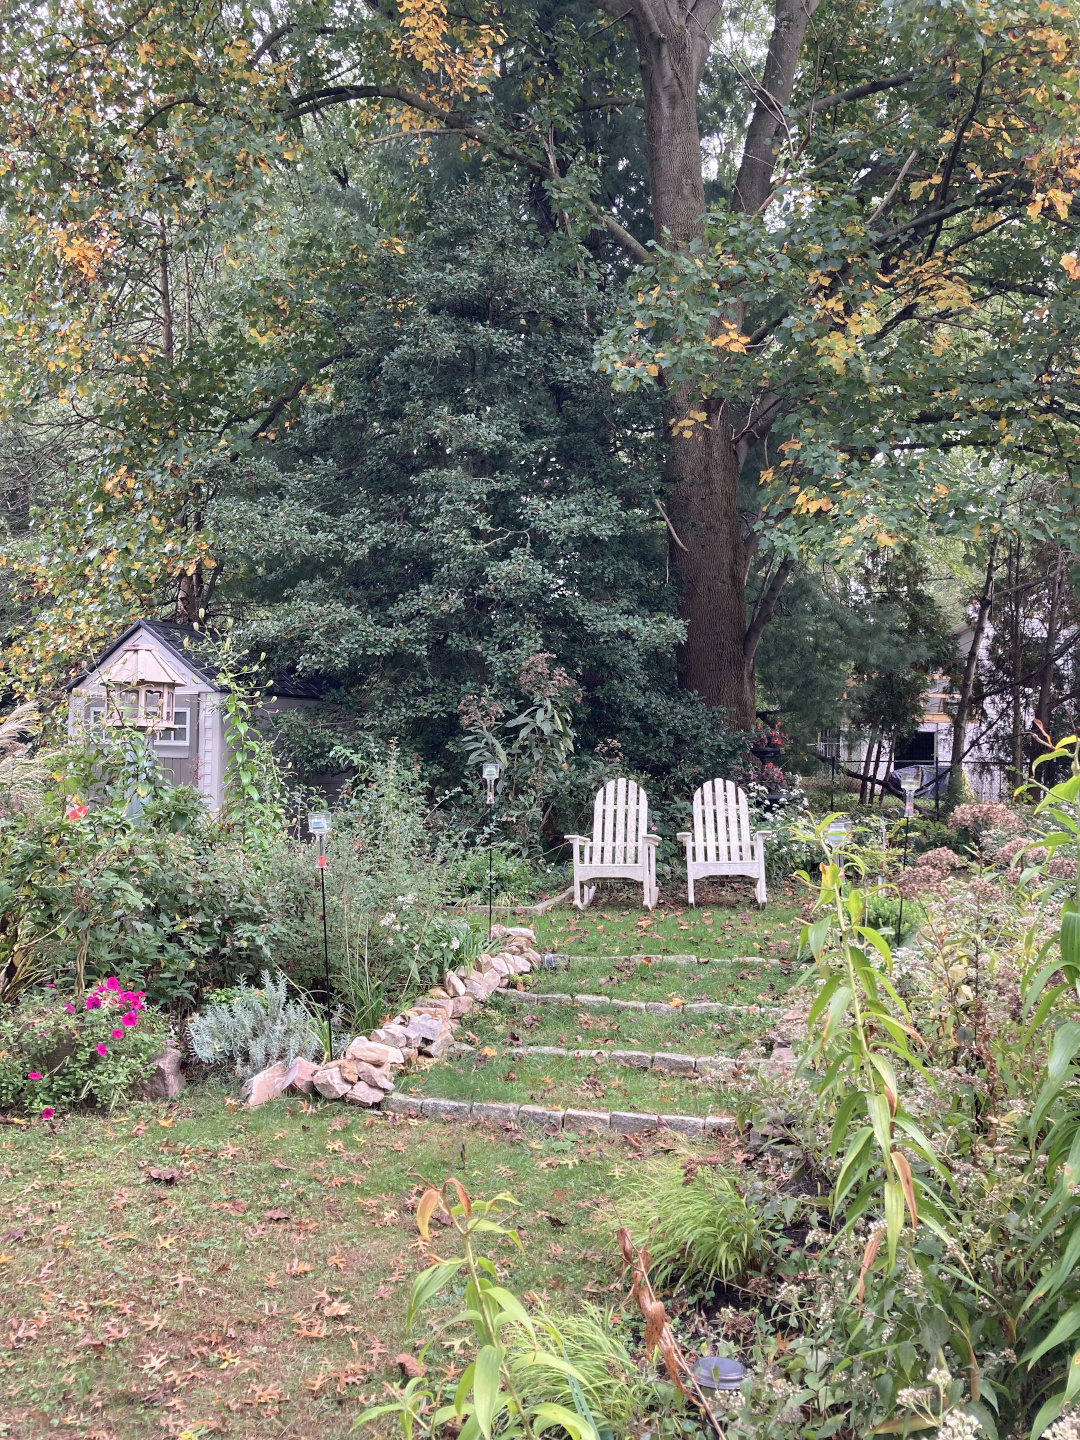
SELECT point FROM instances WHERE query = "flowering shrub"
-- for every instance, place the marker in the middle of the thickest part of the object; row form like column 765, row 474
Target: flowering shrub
column 770, row 735
column 57, row 1051
column 979, row 818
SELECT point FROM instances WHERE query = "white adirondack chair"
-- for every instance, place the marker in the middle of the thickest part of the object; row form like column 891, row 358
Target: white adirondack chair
column 620, row 847
column 721, row 843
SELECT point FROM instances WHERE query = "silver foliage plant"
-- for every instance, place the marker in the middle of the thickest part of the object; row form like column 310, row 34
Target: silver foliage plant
column 255, row 1030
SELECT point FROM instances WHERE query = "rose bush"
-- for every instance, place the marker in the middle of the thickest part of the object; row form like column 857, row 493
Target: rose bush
column 57, row 1051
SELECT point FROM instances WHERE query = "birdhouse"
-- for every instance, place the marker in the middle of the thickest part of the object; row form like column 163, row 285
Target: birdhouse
column 140, row 690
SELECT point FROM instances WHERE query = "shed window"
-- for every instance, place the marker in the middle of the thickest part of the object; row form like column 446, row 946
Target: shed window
column 177, row 734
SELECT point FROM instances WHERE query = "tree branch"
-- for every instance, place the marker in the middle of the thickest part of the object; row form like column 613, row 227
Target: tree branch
column 459, row 125
column 856, row 92
column 764, row 609
column 773, row 97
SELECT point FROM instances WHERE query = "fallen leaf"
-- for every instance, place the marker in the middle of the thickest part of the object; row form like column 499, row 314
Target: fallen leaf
column 298, row 1267
column 281, row 1165
column 337, row 1261
column 236, row 1207
column 276, row 1215
column 11, row 1235
column 311, row 1329
column 166, row 1177
column 335, row 1309
column 411, row 1368
column 166, row 1123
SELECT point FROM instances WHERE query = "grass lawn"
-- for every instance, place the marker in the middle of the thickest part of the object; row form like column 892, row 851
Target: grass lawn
column 505, row 1025
column 728, row 924
column 563, row 1082
column 653, row 980
column 261, row 1290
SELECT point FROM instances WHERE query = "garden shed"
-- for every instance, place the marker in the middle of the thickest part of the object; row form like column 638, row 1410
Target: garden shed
column 161, row 667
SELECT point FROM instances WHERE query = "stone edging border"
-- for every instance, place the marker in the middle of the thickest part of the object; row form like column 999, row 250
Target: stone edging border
column 663, row 1061
column 417, row 1107
column 650, row 1007
column 562, row 959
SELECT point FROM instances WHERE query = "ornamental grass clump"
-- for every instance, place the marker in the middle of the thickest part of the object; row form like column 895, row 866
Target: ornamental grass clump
column 697, row 1227
column 58, row 1051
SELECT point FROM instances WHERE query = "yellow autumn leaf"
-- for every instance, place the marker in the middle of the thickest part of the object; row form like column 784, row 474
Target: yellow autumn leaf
column 429, row 1202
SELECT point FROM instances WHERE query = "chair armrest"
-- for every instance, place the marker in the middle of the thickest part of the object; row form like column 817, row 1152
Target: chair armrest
column 652, row 839
column 764, row 833
column 684, row 835
column 579, row 839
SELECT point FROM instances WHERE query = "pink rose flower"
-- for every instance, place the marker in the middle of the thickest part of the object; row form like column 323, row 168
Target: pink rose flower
column 130, row 1018
column 117, row 1034
column 47, row 1112
column 102, row 1048
column 34, row 1075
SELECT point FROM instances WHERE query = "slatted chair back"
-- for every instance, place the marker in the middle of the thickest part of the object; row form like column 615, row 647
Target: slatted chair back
column 722, row 832
column 620, row 820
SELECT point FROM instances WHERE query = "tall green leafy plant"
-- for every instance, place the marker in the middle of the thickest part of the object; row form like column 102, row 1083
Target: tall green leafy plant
column 859, row 1028
column 492, row 1394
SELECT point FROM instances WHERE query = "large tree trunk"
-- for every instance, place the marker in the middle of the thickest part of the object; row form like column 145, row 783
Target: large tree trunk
column 674, row 38
column 702, row 470
column 967, row 683
column 1044, row 704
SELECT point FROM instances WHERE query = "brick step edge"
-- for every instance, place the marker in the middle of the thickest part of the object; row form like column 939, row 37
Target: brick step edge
column 649, row 1007
column 562, row 959
column 614, row 1121
column 665, row 1062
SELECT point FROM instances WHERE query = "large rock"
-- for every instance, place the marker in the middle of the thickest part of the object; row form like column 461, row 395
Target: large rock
column 423, row 1027
column 300, row 1076
column 166, row 1082
column 372, row 1075
column 476, row 989
column 331, row 1084
column 518, row 931
column 438, row 1048
column 500, row 966
column 461, row 1006
column 395, row 1036
column 372, row 1053
column 455, row 986
column 268, row 1084
column 362, row 1094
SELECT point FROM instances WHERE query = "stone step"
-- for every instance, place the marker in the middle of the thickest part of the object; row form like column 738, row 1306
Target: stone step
column 650, row 1007
column 562, row 960
column 582, row 1121
column 666, row 1062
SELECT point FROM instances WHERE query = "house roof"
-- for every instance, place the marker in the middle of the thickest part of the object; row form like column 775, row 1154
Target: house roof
column 172, row 637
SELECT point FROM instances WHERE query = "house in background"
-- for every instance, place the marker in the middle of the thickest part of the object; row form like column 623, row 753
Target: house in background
column 148, row 678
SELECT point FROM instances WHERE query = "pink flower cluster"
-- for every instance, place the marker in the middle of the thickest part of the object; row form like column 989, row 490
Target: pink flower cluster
column 929, row 874
column 989, row 816
column 109, row 993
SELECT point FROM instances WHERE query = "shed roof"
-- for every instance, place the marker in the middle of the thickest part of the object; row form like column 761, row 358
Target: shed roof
column 172, row 637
